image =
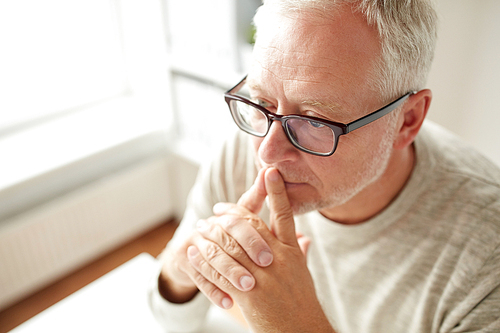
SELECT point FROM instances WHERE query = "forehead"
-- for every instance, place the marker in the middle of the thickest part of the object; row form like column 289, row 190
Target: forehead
column 330, row 56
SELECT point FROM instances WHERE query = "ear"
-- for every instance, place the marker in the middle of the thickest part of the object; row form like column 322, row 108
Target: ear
column 412, row 117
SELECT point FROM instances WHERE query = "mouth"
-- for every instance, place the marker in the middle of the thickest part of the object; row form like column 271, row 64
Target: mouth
column 293, row 182
column 290, row 181
column 293, row 185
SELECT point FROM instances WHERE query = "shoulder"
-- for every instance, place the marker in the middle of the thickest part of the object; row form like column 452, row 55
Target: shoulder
column 457, row 171
column 456, row 175
column 232, row 170
column 448, row 153
column 460, row 200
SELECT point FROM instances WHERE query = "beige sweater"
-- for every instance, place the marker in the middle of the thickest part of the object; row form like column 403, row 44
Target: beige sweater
column 430, row 262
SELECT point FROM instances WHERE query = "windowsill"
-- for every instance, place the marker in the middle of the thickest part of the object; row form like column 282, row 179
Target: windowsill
column 51, row 159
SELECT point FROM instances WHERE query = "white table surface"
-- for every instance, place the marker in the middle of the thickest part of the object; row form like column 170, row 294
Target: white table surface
column 116, row 302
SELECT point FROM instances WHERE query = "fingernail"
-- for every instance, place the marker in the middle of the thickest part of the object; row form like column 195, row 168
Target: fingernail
column 265, row 258
column 193, row 251
column 227, row 303
column 246, row 282
column 273, row 175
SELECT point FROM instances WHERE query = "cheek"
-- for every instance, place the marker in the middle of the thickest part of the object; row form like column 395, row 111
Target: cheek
column 322, row 171
column 352, row 143
column 360, row 150
column 355, row 145
column 256, row 142
column 343, row 165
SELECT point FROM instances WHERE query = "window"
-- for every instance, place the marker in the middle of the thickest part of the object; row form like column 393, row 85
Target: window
column 57, row 56
column 77, row 79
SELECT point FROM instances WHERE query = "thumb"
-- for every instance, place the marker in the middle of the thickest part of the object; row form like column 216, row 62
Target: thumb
column 281, row 216
column 253, row 199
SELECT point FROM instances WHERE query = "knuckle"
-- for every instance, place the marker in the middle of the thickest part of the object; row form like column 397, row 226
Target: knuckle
column 212, row 293
column 218, row 279
column 229, row 244
column 232, row 247
column 279, row 190
column 282, row 213
column 254, row 243
column 212, row 252
column 210, row 289
column 221, row 235
column 207, row 224
column 257, row 223
column 224, row 283
column 199, row 280
column 253, row 221
column 230, row 222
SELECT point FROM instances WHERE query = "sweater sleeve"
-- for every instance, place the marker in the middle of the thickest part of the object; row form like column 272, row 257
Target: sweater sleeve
column 479, row 310
column 223, row 180
column 188, row 317
column 177, row 318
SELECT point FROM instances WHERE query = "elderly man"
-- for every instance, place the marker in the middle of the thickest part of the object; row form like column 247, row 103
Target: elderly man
column 367, row 226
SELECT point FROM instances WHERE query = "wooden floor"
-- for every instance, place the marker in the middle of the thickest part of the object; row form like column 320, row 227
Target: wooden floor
column 151, row 242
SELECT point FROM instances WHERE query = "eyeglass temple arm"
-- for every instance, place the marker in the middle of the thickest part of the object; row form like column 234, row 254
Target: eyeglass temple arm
column 377, row 114
column 237, row 85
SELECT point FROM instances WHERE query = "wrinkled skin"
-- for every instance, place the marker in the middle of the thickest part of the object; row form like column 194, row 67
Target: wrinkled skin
column 313, row 67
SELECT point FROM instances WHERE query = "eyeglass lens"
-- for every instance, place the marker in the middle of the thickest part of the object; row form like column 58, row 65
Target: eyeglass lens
column 307, row 134
column 311, row 135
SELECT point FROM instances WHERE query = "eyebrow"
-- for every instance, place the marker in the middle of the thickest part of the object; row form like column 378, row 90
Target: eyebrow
column 335, row 108
column 253, row 85
column 330, row 106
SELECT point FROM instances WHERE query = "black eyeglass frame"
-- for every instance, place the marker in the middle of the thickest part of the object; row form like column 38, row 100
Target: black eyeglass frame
column 337, row 128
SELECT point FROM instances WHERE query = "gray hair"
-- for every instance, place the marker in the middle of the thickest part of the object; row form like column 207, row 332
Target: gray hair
column 407, row 31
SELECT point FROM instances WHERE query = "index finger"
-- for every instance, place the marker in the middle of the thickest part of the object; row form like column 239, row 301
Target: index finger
column 281, row 217
column 237, row 229
column 253, row 199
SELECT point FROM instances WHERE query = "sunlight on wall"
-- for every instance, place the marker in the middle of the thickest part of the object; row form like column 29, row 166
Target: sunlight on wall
column 52, row 62
column 465, row 77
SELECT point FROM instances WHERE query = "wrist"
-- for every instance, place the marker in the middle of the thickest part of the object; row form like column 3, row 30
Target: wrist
column 175, row 292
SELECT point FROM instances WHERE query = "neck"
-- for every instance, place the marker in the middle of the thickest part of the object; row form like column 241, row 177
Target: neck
column 379, row 195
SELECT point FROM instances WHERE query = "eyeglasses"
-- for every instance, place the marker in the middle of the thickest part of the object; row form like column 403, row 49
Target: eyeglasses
column 309, row 134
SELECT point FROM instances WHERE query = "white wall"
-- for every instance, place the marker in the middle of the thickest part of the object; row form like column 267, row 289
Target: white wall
column 465, row 77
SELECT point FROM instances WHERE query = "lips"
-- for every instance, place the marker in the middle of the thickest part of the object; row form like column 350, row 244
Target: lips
column 293, row 182
column 288, row 177
column 293, row 185
column 290, row 180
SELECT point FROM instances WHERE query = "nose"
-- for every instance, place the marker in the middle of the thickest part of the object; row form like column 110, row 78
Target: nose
column 275, row 146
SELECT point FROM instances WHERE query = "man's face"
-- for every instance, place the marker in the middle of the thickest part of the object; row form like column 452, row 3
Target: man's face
column 318, row 67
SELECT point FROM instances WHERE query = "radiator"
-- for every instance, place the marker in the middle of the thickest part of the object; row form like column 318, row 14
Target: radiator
column 46, row 243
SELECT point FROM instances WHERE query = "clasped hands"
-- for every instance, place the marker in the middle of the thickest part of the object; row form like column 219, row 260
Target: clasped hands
column 234, row 257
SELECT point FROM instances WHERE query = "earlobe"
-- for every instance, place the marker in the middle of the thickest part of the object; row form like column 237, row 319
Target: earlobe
column 412, row 117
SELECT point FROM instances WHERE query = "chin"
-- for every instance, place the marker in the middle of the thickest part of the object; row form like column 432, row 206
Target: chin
column 300, row 208
column 304, row 200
